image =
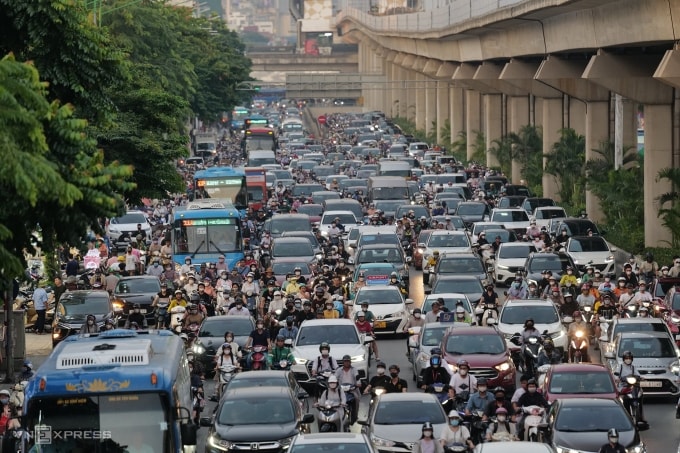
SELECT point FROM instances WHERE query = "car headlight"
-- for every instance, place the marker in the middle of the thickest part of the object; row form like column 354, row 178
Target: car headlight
column 285, row 442
column 505, row 366
column 300, row 361
column 565, row 450
column 421, row 251
column 199, row 349
column 397, row 314
column 500, row 266
column 558, row 334
column 575, row 261
column 218, row 443
column 118, row 305
column 359, row 358
column 609, row 259
column 674, row 367
column 380, row 442
column 113, row 229
column 637, row 449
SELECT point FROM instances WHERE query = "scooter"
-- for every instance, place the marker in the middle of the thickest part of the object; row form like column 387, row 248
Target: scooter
column 530, row 350
column 486, row 312
column 332, row 418
column 534, row 417
column 630, row 395
column 257, row 359
column 161, row 315
column 226, row 373
column 413, row 341
column 440, row 391
column 176, row 317
column 578, row 347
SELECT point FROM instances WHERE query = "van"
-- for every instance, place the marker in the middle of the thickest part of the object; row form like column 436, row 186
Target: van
column 261, row 158
column 344, row 204
column 287, row 222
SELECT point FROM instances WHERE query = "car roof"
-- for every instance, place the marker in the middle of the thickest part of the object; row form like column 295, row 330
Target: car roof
column 292, row 240
column 475, row 330
column 456, row 277
column 638, row 320
column 378, row 246
column 262, row 374
column 86, row 293
column 448, row 233
column 445, row 296
column 338, row 212
column 579, row 367
column 590, row 402
column 379, row 288
column 513, row 447
column 528, row 302
column 315, row 438
column 646, row 334
column 516, row 244
column 453, row 256
column 138, row 277
column 414, row 396
column 325, row 322
column 258, row 392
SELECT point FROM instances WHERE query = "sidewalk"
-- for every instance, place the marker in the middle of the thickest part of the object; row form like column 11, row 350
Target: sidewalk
column 38, row 345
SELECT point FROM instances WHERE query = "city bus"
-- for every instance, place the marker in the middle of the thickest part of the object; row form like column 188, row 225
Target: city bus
column 119, row 390
column 257, row 187
column 205, row 230
column 222, row 183
column 238, row 117
column 258, row 139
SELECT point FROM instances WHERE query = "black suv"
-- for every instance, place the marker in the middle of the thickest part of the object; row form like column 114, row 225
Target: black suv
column 256, row 418
column 555, row 262
column 71, row 312
column 140, row 290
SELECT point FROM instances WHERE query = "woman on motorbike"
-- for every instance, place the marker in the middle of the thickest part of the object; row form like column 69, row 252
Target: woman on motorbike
column 456, row 434
column 90, row 325
column 427, row 443
column 225, row 361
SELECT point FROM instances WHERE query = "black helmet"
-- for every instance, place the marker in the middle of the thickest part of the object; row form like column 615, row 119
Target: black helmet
column 417, row 310
column 289, row 320
column 548, row 344
column 427, row 426
column 380, row 365
column 435, row 361
column 280, row 338
column 482, row 381
column 436, row 351
column 613, row 432
column 627, row 355
column 195, row 297
column 394, row 366
column 92, row 317
column 499, row 389
column 532, row 381
column 325, row 345
column 394, row 275
column 346, row 357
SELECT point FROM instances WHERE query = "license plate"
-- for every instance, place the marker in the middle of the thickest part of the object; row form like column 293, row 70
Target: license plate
column 380, row 324
column 653, row 384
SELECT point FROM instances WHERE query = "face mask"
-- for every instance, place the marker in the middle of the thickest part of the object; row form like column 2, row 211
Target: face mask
column 500, row 398
column 628, row 361
column 531, row 389
column 416, row 315
column 260, row 326
column 530, row 325
column 325, row 353
column 501, row 418
column 613, row 440
column 462, row 372
column 4, row 400
column 394, row 374
column 427, row 434
column 381, row 371
column 454, row 422
column 224, row 277
column 89, row 323
column 481, row 388
column 155, row 264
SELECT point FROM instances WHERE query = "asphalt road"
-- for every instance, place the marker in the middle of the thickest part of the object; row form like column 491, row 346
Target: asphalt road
column 662, row 437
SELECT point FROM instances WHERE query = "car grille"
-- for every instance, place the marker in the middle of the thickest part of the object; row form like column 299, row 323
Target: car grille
column 252, row 446
column 311, row 363
column 666, row 387
column 515, row 269
column 488, row 373
column 643, row 372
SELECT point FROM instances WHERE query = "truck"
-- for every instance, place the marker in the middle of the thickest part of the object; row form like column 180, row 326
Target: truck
column 387, row 188
column 205, row 145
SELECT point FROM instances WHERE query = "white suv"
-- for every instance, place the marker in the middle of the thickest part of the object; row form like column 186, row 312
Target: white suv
column 510, row 259
column 544, row 313
column 128, row 224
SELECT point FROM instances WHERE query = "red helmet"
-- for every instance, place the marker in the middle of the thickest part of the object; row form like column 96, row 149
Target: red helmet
column 577, row 313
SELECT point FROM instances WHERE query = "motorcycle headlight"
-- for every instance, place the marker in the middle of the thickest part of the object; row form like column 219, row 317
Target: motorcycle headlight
column 219, row 444
column 358, row 358
column 301, row 361
column 505, row 366
column 637, row 449
column 675, row 319
column 421, row 251
column 380, row 442
column 199, row 349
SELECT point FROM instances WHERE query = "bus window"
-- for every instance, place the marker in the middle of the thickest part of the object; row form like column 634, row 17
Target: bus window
column 207, row 236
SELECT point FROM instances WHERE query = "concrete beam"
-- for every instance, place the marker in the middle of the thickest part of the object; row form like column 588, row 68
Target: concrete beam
column 565, row 76
column 668, row 70
column 399, row 58
column 521, row 74
column 465, row 76
column 419, row 64
column 629, row 76
column 489, row 72
column 446, row 70
column 391, row 55
column 408, row 61
column 432, row 67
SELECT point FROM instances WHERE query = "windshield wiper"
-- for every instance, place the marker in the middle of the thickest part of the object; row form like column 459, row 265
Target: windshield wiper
column 193, row 255
column 216, row 247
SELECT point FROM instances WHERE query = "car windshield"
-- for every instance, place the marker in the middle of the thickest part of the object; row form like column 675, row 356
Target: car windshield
column 83, row 305
column 475, row 344
column 458, row 286
column 303, row 234
column 592, row 244
column 588, row 418
column 345, row 219
column 328, row 447
column 379, row 272
column 581, row 383
column 432, row 336
column 505, row 235
column 333, row 334
column 256, row 411
column 521, row 251
column 387, row 255
column 541, row 314
column 311, row 209
column 656, row 348
column 217, row 326
column 292, row 249
column 388, row 206
column 306, row 189
column 129, row 218
column 470, row 209
column 448, row 240
column 377, row 297
column 378, row 238
column 450, row 303
column 279, row 225
column 637, row 327
column 409, row 412
column 289, row 268
column 138, row 285
column 550, row 213
column 460, row 266
column 516, row 215
column 547, row 262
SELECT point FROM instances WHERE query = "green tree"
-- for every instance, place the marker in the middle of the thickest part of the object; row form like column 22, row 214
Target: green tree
column 479, row 147
column 459, row 147
column 566, row 162
column 527, row 148
column 669, row 204
column 502, row 149
column 446, row 133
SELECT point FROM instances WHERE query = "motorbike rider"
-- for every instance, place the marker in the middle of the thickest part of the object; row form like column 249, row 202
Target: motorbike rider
column 90, row 325
column 548, row 355
column 434, row 374
column 235, row 348
column 569, row 306
column 531, row 398
column 533, row 292
column 307, row 312
column 177, row 301
column 462, row 315
column 613, row 445
column 290, row 330
column 430, row 264
column 333, row 395
column 258, row 337
column 605, row 311
column 427, row 443
column 110, row 324
column 649, row 269
column 160, row 303
column 394, row 281
column 365, row 327
column 455, row 433
column 380, row 380
column 462, row 380
column 324, row 362
column 577, row 325
column 569, row 278
column 529, row 330
column 415, row 320
column 226, row 357
column 396, row 384
column 238, row 309
column 628, row 369
column 192, row 316
column 517, row 290
column 499, row 402
column 136, row 316
column 433, row 315
column 480, row 399
column 348, row 375
column 280, row 352
column 501, row 425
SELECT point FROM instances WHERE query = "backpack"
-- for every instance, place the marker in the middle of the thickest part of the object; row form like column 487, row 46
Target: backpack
column 330, row 360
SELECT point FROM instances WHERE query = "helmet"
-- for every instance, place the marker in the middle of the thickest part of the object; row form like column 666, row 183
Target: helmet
column 332, row 378
column 499, row 389
column 531, row 381
column 92, row 317
column 454, row 414
column 195, row 297
column 280, row 338
column 577, row 313
column 361, row 314
column 435, row 360
column 394, row 366
column 325, row 345
column 436, row 351
column 501, row 410
column 548, row 344
column 436, row 253
column 613, row 432
column 4, row 392
column 463, row 363
column 28, row 364
column 394, row 275
column 627, row 355
column 427, row 426
column 289, row 320
column 346, row 357
column 417, row 310
column 460, row 310
column 184, row 337
column 481, row 381
column 365, row 302
column 226, row 346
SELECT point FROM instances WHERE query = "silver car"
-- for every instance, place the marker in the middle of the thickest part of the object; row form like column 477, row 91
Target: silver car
column 430, row 337
column 593, row 250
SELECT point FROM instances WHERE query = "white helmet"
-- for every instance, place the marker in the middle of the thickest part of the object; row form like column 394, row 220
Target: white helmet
column 361, row 314
column 460, row 310
column 332, row 379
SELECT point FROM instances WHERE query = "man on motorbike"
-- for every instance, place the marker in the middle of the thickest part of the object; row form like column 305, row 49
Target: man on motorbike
column 323, row 362
column 501, row 425
column 499, row 403
column 225, row 358
column 365, row 327
column 605, row 312
column 160, row 303
column 531, row 398
column 258, row 337
column 435, row 374
column 193, row 316
column 462, row 380
column 628, row 369
column 348, row 375
column 548, row 355
column 136, row 316
column 578, row 325
column 289, row 331
column 415, row 320
column 613, row 446
column 516, row 291
column 479, row 400
column 90, row 325
column 455, row 433
column 333, row 395
column 433, row 315
column 380, row 380
column 281, row 358
column 394, row 281
column 396, row 384
column 238, row 309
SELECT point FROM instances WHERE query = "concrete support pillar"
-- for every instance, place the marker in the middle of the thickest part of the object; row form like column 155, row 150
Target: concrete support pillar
column 493, row 125
column 630, row 124
column 430, row 94
column 658, row 155
column 411, row 81
column 398, row 92
column 552, row 119
column 597, row 131
column 404, row 98
column 419, row 94
column 473, row 119
column 577, row 115
column 518, row 117
column 442, row 95
column 457, row 112
column 386, row 90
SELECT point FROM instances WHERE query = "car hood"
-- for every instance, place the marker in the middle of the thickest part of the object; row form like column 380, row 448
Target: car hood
column 511, row 329
column 591, row 441
column 136, row 298
column 79, row 320
column 256, row 432
column 512, row 262
column 311, row 352
column 406, row 433
column 382, row 310
column 215, row 342
column 582, row 258
column 515, row 225
column 478, row 360
column 648, row 363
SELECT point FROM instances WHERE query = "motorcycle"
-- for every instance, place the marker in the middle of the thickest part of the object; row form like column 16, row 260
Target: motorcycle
column 578, row 347
column 477, row 427
column 377, row 391
column 630, row 395
column 332, row 418
column 631, row 311
column 440, row 391
column 176, row 317
column 486, row 312
column 368, row 340
column 197, row 402
column 413, row 341
column 587, row 312
column 257, row 359
column 161, row 314
column 530, row 351
column 226, row 373
column 532, row 420
column 516, row 351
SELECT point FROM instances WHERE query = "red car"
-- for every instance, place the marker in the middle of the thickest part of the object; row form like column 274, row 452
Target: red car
column 578, row 380
column 486, row 352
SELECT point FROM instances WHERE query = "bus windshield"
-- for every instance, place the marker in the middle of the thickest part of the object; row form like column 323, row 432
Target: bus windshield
column 260, row 142
column 207, row 236
column 390, row 193
column 101, row 423
column 233, row 189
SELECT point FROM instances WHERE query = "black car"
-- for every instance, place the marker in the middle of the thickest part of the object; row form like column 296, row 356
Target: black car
column 473, row 211
column 140, row 290
column 211, row 336
column 576, row 227
column 256, row 418
column 71, row 312
column 555, row 262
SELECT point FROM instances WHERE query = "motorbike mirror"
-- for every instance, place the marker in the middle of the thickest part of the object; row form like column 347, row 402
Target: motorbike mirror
column 409, row 259
column 307, row 418
column 567, row 319
column 543, row 426
column 205, row 421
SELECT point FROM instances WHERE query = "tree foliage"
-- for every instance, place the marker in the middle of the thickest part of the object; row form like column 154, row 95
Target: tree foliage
column 566, row 161
column 669, row 204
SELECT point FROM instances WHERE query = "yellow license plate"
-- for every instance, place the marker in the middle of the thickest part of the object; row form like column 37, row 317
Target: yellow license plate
column 380, row 324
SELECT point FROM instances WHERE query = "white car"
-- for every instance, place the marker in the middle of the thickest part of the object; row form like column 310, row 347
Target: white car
column 347, row 219
column 446, row 241
column 543, row 214
column 544, row 313
column 593, row 250
column 128, row 224
column 514, row 219
column 388, row 306
column 478, row 227
column 341, row 334
column 510, row 259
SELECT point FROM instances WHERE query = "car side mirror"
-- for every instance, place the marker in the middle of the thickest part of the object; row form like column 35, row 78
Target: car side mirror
column 363, row 422
column 409, row 302
column 609, row 355
column 307, row 418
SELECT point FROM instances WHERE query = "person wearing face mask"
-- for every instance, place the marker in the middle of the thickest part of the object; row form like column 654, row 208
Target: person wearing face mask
column 569, row 278
column 516, row 291
column 289, row 331
column 613, row 445
column 455, row 434
column 348, row 375
column 136, row 316
column 462, row 380
column 463, row 316
column 501, row 425
column 223, row 282
column 258, row 337
column 238, row 309
column 529, row 330
column 531, row 398
column 396, row 384
column 649, row 269
column 620, row 287
column 433, row 315
column 589, row 275
column 277, row 303
column 155, row 269
column 235, row 348
column 415, row 320
column 306, row 312
column 324, row 362
column 191, row 286
column 642, row 295
column 628, row 369
column 333, row 395
column 674, row 271
column 479, row 400
column 329, row 311
column 380, row 380
column 435, row 374
column 427, row 443
column 90, row 325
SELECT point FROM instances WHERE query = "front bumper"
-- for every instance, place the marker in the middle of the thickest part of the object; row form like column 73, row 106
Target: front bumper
column 388, row 325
